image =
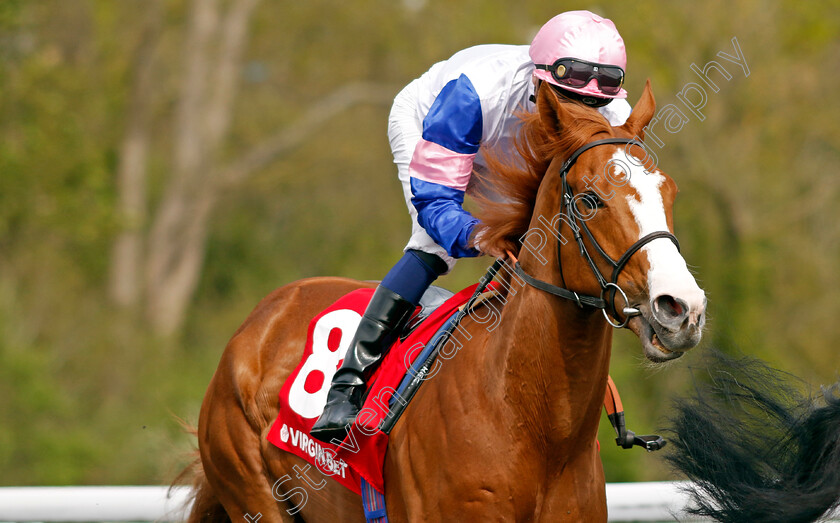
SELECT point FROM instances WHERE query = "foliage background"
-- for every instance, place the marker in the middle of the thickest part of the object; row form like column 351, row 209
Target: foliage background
column 90, row 384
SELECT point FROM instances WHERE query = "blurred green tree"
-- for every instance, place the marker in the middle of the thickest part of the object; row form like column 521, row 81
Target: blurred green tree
column 165, row 163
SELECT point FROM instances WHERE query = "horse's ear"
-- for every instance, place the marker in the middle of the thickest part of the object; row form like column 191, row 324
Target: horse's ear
column 642, row 113
column 554, row 114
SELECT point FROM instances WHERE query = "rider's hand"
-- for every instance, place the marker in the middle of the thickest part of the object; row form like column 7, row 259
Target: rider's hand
column 483, row 248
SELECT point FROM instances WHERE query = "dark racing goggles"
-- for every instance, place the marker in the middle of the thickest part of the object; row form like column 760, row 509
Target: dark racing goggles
column 576, row 73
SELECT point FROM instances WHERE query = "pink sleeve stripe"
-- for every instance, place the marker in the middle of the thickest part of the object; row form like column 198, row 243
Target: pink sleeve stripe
column 437, row 164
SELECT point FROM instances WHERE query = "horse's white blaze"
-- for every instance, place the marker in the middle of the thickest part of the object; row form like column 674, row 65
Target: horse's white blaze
column 668, row 272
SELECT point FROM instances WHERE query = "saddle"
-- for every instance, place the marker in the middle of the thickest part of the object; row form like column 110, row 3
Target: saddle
column 303, row 395
column 433, row 298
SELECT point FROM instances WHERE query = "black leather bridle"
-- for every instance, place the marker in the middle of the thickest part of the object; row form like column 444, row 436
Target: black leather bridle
column 610, row 287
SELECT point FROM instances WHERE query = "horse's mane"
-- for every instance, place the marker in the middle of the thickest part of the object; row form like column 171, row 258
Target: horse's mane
column 511, row 182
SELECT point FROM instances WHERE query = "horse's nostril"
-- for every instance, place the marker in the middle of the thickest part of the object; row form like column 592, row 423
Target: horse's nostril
column 668, row 307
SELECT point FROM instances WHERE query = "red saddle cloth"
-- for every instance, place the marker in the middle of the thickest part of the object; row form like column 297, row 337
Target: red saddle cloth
column 304, row 393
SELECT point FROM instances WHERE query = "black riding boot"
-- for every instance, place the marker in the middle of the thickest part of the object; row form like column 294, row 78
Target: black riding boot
column 385, row 316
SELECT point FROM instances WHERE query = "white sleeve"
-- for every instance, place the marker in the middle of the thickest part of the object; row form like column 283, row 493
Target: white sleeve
column 616, row 112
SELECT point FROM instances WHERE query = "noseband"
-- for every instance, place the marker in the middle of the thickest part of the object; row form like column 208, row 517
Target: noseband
column 610, row 287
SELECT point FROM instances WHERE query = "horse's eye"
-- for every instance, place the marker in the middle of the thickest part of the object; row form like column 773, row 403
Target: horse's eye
column 591, row 201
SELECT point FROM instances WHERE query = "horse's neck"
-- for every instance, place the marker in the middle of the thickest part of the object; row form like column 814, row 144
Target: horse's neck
column 554, row 351
column 552, row 365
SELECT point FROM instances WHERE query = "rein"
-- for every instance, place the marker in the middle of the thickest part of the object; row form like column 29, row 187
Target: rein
column 608, row 287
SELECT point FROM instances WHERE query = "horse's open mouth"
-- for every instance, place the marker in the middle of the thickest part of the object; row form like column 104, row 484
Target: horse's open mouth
column 654, row 350
column 654, row 340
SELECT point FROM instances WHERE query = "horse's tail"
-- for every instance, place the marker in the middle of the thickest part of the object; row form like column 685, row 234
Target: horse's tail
column 206, row 507
column 755, row 448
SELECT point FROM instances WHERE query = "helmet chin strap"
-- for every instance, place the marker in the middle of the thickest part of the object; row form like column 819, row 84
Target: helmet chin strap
column 591, row 101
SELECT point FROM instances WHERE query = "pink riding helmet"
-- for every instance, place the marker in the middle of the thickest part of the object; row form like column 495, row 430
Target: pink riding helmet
column 582, row 35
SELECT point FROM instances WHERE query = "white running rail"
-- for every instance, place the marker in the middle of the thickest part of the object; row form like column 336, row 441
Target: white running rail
column 21, row 504
column 652, row 501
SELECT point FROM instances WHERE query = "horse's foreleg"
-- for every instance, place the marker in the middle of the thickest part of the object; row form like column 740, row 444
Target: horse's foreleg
column 578, row 493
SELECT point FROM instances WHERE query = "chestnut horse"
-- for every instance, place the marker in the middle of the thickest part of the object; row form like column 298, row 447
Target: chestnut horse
column 506, row 429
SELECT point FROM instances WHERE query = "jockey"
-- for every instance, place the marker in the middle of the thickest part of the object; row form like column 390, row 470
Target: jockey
column 438, row 126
